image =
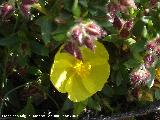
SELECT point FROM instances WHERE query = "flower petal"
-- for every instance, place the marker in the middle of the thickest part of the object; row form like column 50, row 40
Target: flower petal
column 97, row 78
column 76, row 90
column 60, row 70
column 98, row 56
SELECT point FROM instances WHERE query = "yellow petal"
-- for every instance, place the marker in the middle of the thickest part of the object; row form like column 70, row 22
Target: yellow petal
column 60, row 70
column 76, row 90
column 97, row 78
column 99, row 53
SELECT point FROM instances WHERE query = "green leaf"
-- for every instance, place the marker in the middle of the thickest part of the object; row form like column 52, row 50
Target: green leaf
column 107, row 104
column 94, row 104
column 119, row 78
column 145, row 32
column 46, row 29
column 151, row 80
column 67, row 105
column 157, row 64
column 137, row 48
column 131, row 63
column 79, row 107
column 9, row 41
column 108, row 91
column 76, row 9
column 84, row 3
column 155, row 20
column 12, row 97
column 157, row 94
column 27, row 111
column 59, row 37
column 12, row 2
column 39, row 49
column 34, row 71
column 130, row 41
column 22, row 60
column 138, row 28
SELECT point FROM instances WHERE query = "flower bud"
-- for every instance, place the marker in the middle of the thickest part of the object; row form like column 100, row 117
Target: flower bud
column 148, row 60
column 153, row 2
column 117, row 23
column 29, row 2
column 157, row 41
column 139, row 76
column 89, row 43
column 111, row 10
column 72, row 49
column 77, row 35
column 128, row 3
column 128, row 25
column 157, row 51
column 6, row 10
column 93, row 29
column 25, row 9
column 124, row 33
column 150, row 46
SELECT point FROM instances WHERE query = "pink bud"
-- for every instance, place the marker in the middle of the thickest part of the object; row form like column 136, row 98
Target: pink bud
column 77, row 35
column 139, row 76
column 124, row 33
column 149, row 60
column 117, row 23
column 157, row 51
column 128, row 25
column 158, row 41
column 6, row 9
column 29, row 2
column 128, row 3
column 103, row 33
column 25, row 9
column 112, row 9
column 72, row 49
column 153, row 2
column 93, row 29
column 89, row 43
column 150, row 45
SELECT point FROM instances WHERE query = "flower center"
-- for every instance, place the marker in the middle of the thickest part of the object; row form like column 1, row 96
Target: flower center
column 82, row 69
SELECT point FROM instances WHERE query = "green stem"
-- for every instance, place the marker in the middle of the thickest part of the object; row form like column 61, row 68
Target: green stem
column 54, row 101
column 9, row 92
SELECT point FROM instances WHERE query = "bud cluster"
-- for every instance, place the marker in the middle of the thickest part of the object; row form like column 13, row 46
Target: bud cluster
column 112, row 8
column 124, row 27
column 139, row 76
column 153, row 52
column 83, row 34
column 150, row 58
column 25, row 6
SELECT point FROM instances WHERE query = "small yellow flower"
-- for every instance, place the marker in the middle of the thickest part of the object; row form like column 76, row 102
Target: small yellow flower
column 157, row 74
column 81, row 78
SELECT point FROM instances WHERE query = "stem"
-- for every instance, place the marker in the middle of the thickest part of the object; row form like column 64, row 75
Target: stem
column 9, row 92
column 3, row 76
column 54, row 101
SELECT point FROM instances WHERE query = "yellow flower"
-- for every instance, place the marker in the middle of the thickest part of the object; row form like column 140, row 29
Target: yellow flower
column 157, row 74
column 81, row 78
